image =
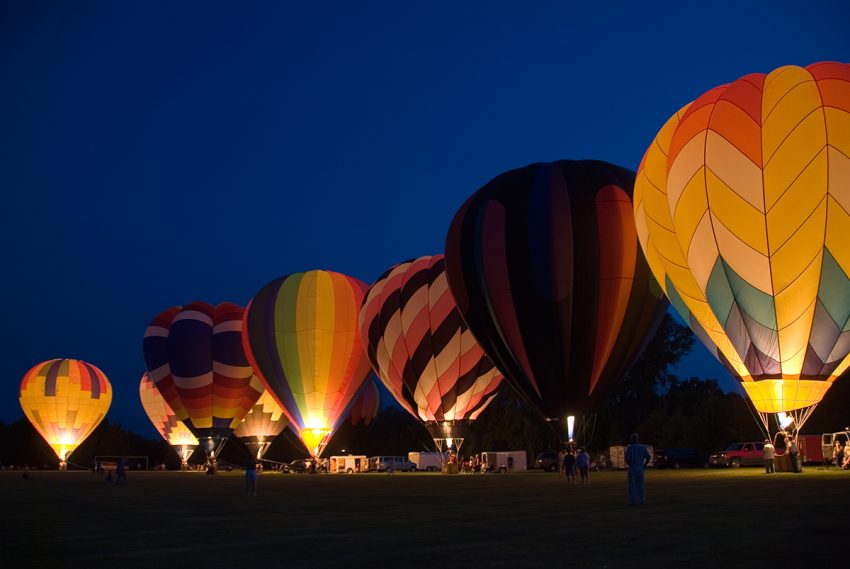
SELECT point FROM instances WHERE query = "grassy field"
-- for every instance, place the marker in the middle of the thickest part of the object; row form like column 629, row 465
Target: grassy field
column 694, row 518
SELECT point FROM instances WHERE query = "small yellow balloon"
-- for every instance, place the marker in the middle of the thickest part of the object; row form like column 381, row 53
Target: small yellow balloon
column 65, row 400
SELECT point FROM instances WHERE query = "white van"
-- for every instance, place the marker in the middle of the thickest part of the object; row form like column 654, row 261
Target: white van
column 394, row 463
column 348, row 464
column 428, row 461
column 507, row 461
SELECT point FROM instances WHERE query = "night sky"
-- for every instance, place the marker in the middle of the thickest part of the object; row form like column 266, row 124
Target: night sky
column 158, row 153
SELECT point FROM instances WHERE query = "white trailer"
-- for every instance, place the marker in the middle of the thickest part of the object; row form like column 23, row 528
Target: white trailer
column 428, row 461
column 504, row 461
column 348, row 464
column 617, row 456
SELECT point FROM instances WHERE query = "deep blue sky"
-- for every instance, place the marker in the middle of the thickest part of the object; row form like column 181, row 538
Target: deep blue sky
column 156, row 153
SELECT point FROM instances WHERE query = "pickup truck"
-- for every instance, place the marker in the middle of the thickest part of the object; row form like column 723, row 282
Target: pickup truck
column 739, row 454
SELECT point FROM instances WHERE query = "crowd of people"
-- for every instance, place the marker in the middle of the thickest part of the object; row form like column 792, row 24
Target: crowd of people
column 575, row 460
column 840, row 454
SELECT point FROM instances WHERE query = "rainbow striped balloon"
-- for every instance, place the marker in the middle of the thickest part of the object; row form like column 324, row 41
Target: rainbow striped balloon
column 65, row 400
column 301, row 337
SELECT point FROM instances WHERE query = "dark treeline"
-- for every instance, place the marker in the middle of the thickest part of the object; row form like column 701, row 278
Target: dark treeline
column 666, row 410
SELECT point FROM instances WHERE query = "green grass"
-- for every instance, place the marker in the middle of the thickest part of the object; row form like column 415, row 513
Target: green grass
column 694, row 518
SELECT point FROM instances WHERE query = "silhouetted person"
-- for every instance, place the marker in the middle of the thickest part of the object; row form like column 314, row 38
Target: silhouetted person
column 251, row 477
column 637, row 457
column 121, row 472
column 583, row 465
column 570, row 466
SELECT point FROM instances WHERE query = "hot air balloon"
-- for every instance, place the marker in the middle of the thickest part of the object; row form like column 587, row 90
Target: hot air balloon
column 544, row 264
column 263, row 423
column 300, row 334
column 366, row 403
column 741, row 206
column 423, row 351
column 195, row 358
column 65, row 400
column 166, row 422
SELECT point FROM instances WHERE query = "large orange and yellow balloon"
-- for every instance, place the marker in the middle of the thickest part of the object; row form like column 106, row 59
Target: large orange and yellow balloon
column 65, row 400
column 301, row 337
column 742, row 206
column 171, row 428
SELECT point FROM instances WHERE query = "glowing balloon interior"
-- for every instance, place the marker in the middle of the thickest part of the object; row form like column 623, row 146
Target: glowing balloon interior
column 172, row 429
column 65, row 400
column 261, row 426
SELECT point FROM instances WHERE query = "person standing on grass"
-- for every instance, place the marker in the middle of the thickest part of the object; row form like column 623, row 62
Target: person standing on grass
column 795, row 456
column 637, row 457
column 570, row 466
column 583, row 464
column 838, row 454
column 251, row 477
column 769, row 455
column 121, row 472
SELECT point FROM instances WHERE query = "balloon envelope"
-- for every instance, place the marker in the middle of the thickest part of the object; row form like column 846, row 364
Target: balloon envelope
column 544, row 264
column 741, row 206
column 366, row 403
column 263, row 423
column 172, row 429
column 65, row 400
column 421, row 348
column 301, row 337
column 195, row 358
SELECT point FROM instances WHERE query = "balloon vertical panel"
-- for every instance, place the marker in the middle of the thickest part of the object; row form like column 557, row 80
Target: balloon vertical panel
column 547, row 273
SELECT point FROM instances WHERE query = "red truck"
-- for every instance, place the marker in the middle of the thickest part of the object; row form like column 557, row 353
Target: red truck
column 739, row 454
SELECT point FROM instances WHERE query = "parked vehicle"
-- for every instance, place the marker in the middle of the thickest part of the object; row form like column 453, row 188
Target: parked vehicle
column 428, row 461
column 809, row 447
column 679, row 457
column 617, row 456
column 349, row 464
column 513, row 460
column 397, row 463
column 548, row 461
column 302, row 466
column 739, row 454
column 828, row 442
column 298, row 466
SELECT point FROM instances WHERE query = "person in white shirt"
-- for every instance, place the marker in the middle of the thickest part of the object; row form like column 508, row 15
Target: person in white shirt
column 769, row 455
